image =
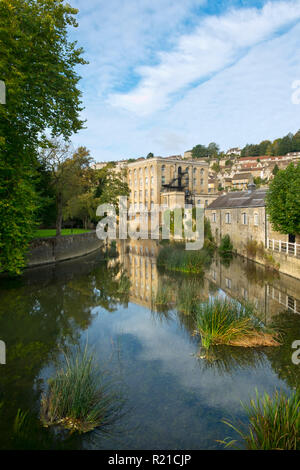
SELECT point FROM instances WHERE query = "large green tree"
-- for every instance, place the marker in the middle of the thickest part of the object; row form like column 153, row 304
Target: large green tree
column 71, row 176
column 283, row 200
column 38, row 64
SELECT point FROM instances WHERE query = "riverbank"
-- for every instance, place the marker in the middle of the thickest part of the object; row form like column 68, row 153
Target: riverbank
column 47, row 250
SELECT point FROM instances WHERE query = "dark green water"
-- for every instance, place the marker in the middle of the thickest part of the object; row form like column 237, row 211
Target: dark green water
column 137, row 320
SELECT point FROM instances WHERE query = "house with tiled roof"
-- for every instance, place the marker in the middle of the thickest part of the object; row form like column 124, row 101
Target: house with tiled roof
column 242, row 215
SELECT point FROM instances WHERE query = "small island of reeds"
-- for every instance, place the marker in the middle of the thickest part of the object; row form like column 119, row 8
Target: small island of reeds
column 274, row 423
column 229, row 322
column 174, row 257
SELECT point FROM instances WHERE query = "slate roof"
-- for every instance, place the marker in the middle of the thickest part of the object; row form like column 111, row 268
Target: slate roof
column 237, row 199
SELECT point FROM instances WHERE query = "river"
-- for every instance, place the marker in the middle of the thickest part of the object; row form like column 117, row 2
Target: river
column 136, row 318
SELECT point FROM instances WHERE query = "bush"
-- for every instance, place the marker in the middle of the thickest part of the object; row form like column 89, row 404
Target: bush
column 225, row 246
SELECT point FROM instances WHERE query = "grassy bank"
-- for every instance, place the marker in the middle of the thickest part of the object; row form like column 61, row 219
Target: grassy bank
column 49, row 232
column 223, row 321
column 274, row 423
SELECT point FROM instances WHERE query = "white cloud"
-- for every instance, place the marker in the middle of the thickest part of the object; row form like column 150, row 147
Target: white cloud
column 217, row 42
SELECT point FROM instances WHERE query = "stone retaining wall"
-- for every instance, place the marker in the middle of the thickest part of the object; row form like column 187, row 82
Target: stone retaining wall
column 55, row 249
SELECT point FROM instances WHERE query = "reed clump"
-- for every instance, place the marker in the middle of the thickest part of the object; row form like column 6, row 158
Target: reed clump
column 224, row 321
column 274, row 423
column 174, row 257
column 79, row 397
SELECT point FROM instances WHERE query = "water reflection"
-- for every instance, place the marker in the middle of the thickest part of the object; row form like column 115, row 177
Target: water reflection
column 140, row 320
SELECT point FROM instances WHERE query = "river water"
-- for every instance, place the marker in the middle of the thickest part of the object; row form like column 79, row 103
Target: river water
column 137, row 319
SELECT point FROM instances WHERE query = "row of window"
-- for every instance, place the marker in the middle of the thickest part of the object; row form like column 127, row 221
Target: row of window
column 146, row 192
column 244, row 218
column 163, row 168
column 146, row 181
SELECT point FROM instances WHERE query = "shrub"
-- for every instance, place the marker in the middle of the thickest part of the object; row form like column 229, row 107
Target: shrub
column 226, row 246
column 274, row 423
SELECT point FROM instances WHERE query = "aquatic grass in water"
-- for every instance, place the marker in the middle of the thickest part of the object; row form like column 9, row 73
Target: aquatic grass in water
column 274, row 423
column 223, row 321
column 176, row 258
column 79, row 397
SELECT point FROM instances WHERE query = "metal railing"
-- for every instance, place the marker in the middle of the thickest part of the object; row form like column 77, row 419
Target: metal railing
column 289, row 249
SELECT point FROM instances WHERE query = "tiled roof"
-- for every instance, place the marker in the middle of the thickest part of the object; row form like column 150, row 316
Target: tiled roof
column 242, row 176
column 240, row 199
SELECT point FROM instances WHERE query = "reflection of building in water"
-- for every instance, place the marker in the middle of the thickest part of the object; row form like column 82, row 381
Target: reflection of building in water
column 139, row 260
column 270, row 292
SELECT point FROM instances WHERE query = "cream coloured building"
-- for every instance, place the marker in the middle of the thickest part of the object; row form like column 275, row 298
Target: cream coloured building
column 166, row 181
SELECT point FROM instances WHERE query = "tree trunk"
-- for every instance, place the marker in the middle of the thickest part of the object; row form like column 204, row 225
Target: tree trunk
column 59, row 216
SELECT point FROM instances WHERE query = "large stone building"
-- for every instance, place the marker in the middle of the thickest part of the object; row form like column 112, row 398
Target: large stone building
column 242, row 215
column 168, row 181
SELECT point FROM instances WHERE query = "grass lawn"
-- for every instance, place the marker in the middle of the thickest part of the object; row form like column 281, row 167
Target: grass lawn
column 51, row 232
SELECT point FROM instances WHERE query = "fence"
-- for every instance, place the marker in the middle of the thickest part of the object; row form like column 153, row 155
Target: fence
column 289, row 249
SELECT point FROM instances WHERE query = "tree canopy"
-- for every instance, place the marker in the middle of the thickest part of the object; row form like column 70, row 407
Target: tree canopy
column 38, row 64
column 283, row 200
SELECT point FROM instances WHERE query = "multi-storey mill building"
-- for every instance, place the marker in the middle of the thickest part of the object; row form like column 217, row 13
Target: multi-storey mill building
column 167, row 181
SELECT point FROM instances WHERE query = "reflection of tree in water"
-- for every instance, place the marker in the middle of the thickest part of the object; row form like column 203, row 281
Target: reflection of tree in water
column 256, row 274
column 181, row 293
column 225, row 259
column 288, row 325
column 42, row 312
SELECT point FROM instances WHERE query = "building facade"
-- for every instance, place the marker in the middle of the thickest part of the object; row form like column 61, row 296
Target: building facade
column 166, row 181
column 242, row 215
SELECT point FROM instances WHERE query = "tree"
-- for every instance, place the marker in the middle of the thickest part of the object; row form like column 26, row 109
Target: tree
column 283, row 200
column 38, row 64
column 275, row 169
column 110, row 185
column 213, row 150
column 199, row 151
column 150, row 155
column 71, row 174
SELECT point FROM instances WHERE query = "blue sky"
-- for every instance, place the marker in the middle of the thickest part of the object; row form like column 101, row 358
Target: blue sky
column 165, row 75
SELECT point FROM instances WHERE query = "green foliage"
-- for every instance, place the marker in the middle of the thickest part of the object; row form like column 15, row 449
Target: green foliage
column 274, row 423
column 222, row 321
column 71, row 178
column 18, row 203
column 38, row 65
column 207, row 229
column 110, row 185
column 79, row 397
column 283, row 200
column 225, row 246
column 44, row 233
column 201, row 151
column 216, row 167
column 174, row 257
column 281, row 146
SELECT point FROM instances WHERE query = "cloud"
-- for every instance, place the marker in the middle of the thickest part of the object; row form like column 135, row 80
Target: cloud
column 216, row 43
